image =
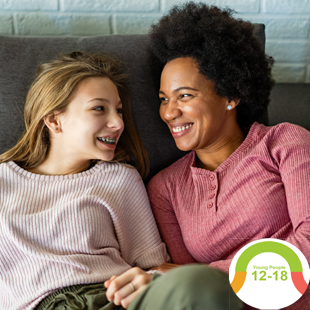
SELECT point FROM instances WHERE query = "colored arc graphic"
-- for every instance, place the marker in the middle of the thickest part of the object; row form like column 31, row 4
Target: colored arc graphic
column 274, row 247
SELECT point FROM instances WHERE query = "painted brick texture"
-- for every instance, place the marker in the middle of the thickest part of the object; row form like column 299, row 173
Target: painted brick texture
column 29, row 5
column 134, row 24
column 49, row 24
column 287, row 23
column 249, row 6
column 6, row 24
column 114, row 5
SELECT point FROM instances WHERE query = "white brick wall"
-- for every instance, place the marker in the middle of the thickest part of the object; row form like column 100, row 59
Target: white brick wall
column 287, row 23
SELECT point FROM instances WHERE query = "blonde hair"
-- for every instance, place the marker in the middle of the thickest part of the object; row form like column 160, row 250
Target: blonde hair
column 52, row 90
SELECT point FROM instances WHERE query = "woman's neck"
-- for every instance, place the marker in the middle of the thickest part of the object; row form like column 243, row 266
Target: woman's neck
column 211, row 158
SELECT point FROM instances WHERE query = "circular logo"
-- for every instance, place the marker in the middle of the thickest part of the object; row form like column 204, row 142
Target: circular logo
column 269, row 274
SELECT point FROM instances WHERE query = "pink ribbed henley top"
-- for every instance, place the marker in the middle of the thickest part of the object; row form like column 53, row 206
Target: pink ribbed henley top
column 262, row 190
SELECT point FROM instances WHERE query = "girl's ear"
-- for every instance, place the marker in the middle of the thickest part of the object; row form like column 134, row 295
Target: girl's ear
column 52, row 122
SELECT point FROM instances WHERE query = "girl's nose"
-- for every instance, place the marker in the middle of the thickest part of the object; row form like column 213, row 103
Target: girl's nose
column 115, row 120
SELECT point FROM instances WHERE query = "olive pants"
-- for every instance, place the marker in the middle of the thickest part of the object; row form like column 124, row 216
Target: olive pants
column 191, row 287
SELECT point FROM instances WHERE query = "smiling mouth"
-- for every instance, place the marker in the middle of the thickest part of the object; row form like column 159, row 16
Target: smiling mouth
column 107, row 140
column 181, row 128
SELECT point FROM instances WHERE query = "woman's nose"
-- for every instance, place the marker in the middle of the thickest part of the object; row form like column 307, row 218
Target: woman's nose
column 170, row 111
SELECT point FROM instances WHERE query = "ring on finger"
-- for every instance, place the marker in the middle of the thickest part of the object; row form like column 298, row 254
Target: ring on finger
column 132, row 287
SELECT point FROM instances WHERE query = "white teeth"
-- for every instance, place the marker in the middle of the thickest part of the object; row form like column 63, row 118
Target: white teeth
column 181, row 128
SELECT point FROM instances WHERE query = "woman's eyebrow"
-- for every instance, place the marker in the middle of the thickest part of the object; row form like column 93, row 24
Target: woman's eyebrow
column 184, row 87
column 179, row 88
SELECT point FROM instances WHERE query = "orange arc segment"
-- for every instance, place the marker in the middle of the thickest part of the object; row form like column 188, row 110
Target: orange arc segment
column 238, row 281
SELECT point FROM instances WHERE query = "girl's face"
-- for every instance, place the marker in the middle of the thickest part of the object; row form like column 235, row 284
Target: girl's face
column 93, row 122
column 190, row 106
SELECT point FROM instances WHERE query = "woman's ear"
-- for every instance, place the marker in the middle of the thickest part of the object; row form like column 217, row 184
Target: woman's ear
column 52, row 122
column 231, row 104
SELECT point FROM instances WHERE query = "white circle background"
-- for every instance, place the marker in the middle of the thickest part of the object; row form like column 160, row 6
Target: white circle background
column 269, row 294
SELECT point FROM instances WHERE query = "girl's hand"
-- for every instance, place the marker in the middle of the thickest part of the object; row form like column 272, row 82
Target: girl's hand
column 123, row 289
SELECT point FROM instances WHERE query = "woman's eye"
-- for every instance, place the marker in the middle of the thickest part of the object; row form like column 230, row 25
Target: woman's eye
column 182, row 96
column 100, row 108
column 120, row 111
column 163, row 99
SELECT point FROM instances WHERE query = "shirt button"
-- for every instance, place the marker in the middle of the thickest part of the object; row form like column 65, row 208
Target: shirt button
column 211, row 177
column 210, row 205
column 213, row 187
column 211, row 196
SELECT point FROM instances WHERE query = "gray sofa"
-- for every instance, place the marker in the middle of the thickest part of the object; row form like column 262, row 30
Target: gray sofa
column 20, row 57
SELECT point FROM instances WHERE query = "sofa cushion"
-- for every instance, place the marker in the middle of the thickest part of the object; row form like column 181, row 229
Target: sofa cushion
column 21, row 56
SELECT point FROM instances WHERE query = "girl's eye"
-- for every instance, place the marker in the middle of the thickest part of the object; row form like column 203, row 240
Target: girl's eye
column 163, row 99
column 120, row 111
column 100, row 108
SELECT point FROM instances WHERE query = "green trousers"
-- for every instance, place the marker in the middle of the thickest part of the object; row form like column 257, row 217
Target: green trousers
column 191, row 287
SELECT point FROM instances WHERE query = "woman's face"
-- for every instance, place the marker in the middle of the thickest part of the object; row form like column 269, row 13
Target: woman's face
column 93, row 121
column 194, row 113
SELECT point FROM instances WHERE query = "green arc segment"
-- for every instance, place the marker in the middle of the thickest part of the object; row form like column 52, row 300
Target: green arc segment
column 274, row 247
column 269, row 246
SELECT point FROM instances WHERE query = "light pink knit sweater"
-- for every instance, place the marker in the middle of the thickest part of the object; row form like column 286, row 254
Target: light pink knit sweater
column 57, row 231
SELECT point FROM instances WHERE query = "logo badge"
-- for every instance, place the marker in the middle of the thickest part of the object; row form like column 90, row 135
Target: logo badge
column 269, row 274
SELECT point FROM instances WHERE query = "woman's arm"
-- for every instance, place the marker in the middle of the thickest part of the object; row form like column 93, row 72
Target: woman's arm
column 292, row 154
column 167, row 223
column 293, row 157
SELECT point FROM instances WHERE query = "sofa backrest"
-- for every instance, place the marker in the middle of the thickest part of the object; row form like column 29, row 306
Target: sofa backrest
column 21, row 56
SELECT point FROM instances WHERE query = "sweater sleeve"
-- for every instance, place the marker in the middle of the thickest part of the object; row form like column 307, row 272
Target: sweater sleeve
column 292, row 153
column 167, row 222
column 135, row 227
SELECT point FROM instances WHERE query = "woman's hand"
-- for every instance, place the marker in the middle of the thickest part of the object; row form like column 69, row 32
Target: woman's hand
column 123, row 289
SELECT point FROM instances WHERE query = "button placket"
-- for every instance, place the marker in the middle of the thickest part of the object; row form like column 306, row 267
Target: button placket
column 212, row 196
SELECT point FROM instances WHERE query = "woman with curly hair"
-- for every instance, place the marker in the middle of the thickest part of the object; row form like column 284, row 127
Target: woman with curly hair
column 241, row 181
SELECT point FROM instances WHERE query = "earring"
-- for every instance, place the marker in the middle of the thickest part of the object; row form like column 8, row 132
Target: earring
column 229, row 107
column 57, row 128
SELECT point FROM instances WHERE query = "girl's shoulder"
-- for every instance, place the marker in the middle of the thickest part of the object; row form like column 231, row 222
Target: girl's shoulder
column 120, row 170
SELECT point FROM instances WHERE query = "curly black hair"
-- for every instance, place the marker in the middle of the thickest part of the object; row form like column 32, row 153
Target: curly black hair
column 225, row 50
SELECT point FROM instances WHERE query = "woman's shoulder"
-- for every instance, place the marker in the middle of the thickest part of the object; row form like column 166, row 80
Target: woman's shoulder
column 283, row 133
column 290, row 128
column 282, row 142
